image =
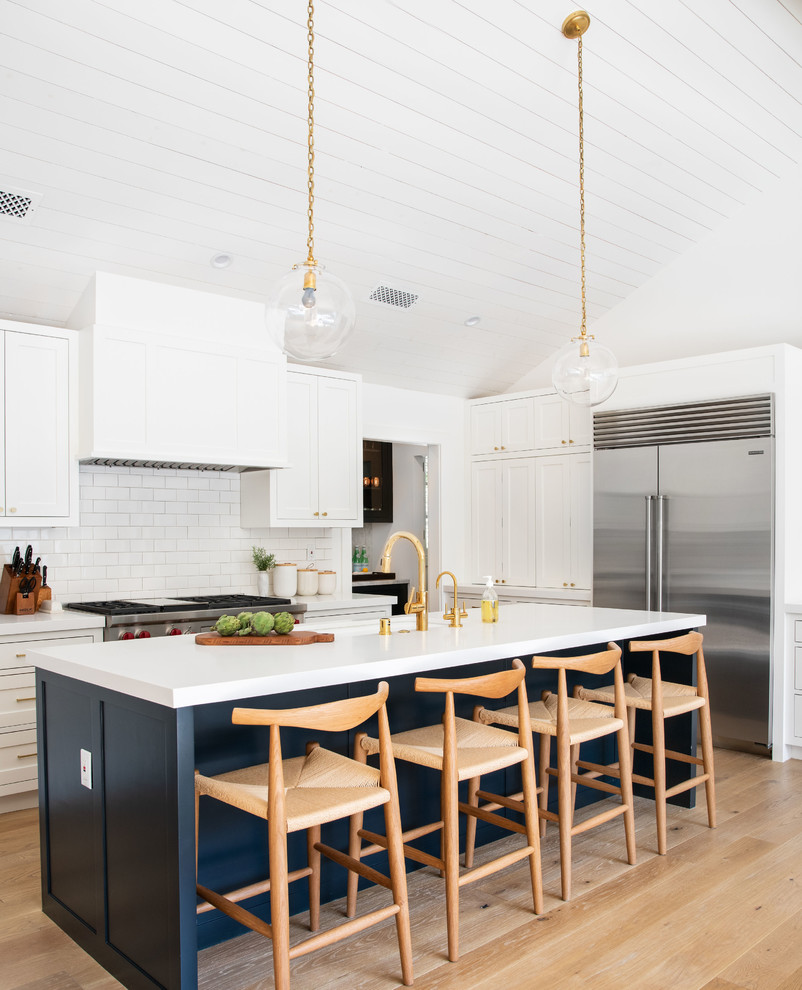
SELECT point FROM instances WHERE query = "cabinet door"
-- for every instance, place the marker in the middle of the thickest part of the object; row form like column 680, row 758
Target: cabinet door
column 518, row 522
column 518, row 424
column 580, row 424
column 339, row 475
column 551, row 422
column 485, row 428
column 295, row 495
column 581, row 521
column 37, row 462
column 553, row 526
column 486, row 519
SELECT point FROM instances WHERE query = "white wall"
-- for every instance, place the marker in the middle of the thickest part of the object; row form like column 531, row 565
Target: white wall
column 401, row 415
column 150, row 533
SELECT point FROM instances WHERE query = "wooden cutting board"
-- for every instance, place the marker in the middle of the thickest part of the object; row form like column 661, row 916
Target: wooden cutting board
column 274, row 639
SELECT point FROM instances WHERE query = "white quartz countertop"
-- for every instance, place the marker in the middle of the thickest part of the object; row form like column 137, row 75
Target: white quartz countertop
column 48, row 622
column 345, row 601
column 174, row 671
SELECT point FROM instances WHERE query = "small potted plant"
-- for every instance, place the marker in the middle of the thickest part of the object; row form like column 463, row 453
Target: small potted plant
column 264, row 563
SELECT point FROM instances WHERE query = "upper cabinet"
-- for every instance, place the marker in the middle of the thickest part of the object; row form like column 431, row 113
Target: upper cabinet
column 323, row 484
column 158, row 398
column 501, row 426
column 38, row 380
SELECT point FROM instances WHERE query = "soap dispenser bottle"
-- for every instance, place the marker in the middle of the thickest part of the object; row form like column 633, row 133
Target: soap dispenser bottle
column 489, row 601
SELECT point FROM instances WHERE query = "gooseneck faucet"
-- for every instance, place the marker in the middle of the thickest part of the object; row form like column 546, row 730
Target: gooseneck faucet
column 418, row 604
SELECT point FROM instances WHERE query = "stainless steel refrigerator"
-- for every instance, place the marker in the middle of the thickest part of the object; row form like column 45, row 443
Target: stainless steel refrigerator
column 683, row 522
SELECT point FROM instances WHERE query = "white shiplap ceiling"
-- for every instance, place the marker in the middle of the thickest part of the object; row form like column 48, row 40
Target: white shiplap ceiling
column 162, row 132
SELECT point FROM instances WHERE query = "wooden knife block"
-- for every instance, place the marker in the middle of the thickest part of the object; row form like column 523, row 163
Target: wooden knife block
column 9, row 590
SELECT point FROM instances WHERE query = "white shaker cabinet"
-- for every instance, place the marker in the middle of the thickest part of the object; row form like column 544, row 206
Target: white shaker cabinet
column 504, row 426
column 323, row 484
column 563, row 512
column 150, row 397
column 561, row 424
column 503, row 522
column 38, row 476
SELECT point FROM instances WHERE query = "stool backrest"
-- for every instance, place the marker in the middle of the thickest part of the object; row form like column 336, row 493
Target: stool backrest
column 689, row 643
column 333, row 716
column 591, row 663
column 495, row 685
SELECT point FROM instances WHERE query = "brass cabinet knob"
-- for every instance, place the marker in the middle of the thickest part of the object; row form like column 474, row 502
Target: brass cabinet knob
column 495, row 448
column 573, row 585
column 565, row 584
column 317, row 513
column 12, row 510
column 325, row 513
column 570, row 441
column 563, row 441
column 503, row 447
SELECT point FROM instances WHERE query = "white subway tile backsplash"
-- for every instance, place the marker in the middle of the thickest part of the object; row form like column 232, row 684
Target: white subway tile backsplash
column 148, row 532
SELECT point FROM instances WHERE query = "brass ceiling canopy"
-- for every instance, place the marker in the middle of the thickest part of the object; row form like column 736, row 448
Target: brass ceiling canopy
column 575, row 25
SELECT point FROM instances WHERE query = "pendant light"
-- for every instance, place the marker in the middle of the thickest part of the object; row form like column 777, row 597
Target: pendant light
column 310, row 312
column 584, row 372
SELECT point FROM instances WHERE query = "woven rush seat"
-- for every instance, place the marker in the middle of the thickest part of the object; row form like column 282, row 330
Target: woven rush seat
column 318, row 788
column 480, row 748
column 677, row 698
column 586, row 720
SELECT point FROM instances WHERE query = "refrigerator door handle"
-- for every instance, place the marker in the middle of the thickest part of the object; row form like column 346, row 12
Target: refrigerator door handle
column 649, row 500
column 659, row 550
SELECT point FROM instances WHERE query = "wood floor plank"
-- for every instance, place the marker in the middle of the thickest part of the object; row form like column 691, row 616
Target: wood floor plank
column 771, row 961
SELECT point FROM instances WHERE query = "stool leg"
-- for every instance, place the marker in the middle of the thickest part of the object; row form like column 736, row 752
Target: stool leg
column 470, row 824
column 354, row 842
column 659, row 743
column 279, row 907
column 564, row 811
column 532, row 831
column 706, row 738
column 398, row 878
column 625, row 782
column 543, row 763
column 574, row 769
column 197, row 817
column 313, row 859
column 450, row 847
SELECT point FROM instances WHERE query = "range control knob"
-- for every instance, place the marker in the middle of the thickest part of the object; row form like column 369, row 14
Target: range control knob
column 143, row 634
column 126, row 635
column 174, row 632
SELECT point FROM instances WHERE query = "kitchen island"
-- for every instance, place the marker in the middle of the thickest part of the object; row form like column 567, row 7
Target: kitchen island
column 124, row 725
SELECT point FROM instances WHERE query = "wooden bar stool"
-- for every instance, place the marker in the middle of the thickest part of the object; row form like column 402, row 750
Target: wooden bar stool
column 305, row 792
column 572, row 722
column 665, row 699
column 459, row 749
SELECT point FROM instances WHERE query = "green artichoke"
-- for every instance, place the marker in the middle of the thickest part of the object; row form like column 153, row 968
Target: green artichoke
column 245, row 619
column 245, row 630
column 262, row 623
column 283, row 623
column 227, row 625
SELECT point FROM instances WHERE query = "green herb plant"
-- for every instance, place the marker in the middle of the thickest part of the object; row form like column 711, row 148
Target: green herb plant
column 263, row 560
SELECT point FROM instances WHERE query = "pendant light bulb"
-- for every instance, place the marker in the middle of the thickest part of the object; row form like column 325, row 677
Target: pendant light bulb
column 310, row 313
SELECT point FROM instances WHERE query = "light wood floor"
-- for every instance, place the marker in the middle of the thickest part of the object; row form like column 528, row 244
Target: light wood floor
column 722, row 911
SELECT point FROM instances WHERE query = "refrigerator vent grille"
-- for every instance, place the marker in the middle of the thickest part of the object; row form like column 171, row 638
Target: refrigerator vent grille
column 723, row 419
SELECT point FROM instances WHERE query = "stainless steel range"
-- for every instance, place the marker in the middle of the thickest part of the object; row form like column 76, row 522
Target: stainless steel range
column 142, row 618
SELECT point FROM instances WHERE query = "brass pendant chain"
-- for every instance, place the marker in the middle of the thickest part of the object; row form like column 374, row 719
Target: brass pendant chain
column 310, row 180
column 583, row 329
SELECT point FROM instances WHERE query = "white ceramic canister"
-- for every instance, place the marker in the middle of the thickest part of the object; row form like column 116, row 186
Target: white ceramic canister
column 307, row 581
column 285, row 580
column 326, row 582
column 263, row 583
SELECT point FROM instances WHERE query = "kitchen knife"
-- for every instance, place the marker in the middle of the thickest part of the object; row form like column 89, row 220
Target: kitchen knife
column 44, row 576
column 36, row 566
column 28, row 557
column 15, row 559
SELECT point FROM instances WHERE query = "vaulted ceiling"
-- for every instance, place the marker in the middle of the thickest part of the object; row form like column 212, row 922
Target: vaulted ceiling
column 160, row 133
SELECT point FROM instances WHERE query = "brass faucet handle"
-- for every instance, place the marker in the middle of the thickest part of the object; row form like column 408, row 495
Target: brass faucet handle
column 462, row 612
column 415, row 603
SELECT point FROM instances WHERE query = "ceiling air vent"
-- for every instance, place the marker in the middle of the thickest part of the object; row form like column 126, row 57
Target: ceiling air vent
column 18, row 204
column 400, row 298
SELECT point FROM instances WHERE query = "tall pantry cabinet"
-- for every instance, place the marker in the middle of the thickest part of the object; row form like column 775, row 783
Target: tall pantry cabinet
column 530, row 511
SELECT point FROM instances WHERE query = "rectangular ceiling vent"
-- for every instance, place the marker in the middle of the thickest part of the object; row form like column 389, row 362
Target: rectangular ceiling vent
column 400, row 298
column 18, row 204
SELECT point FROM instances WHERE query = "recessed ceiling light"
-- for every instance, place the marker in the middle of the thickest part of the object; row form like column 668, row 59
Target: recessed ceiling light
column 221, row 261
column 472, row 321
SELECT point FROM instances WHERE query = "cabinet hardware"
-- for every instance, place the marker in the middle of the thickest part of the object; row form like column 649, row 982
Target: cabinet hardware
column 22, row 654
column 20, row 700
column 573, row 585
column 563, row 441
column 325, row 513
column 26, row 756
column 570, row 441
column 317, row 513
column 495, row 448
column 12, row 510
column 565, row 584
column 503, row 447
column 2, row 509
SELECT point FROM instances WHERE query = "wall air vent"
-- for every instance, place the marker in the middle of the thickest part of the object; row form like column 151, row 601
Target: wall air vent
column 400, row 298
column 18, row 204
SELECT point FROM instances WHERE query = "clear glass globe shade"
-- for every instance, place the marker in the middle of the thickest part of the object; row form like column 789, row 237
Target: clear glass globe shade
column 310, row 329
column 585, row 379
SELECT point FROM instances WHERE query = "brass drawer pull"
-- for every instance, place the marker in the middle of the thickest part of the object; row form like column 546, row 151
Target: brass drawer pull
column 21, row 655
column 20, row 700
column 26, row 756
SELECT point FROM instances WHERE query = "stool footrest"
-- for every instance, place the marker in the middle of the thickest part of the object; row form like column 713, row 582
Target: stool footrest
column 343, row 859
column 671, row 754
column 599, row 819
column 512, row 801
column 492, row 819
column 495, row 865
column 410, row 852
column 342, row 931
column 240, row 914
column 243, row 893
column 687, row 785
